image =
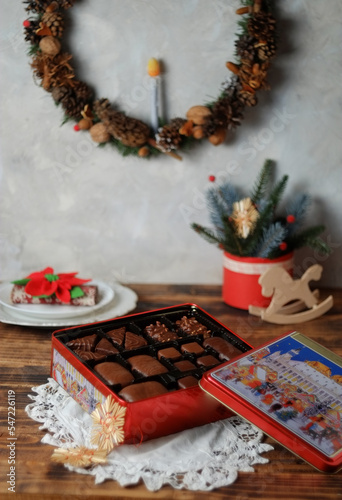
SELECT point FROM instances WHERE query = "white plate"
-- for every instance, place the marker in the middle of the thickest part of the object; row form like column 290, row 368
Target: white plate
column 51, row 311
column 124, row 301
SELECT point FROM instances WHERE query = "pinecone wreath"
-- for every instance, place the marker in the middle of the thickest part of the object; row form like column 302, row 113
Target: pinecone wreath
column 255, row 47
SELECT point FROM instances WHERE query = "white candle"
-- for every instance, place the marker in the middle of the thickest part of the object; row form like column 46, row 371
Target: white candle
column 153, row 70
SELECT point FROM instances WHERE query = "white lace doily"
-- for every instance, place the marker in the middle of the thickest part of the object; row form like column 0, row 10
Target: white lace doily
column 202, row 458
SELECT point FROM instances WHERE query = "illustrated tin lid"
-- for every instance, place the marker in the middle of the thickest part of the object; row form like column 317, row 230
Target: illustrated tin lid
column 291, row 388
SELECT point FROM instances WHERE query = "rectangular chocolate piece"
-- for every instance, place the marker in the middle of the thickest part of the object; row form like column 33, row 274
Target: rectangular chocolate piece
column 146, row 365
column 138, row 392
column 19, row 296
column 114, row 373
column 169, row 353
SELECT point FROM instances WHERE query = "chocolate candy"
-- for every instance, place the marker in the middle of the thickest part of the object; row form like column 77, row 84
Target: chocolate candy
column 186, row 382
column 169, row 353
column 114, row 373
column 207, row 361
column 83, row 343
column 146, row 365
column 160, row 332
column 224, row 349
column 191, row 326
column 133, row 341
column 88, row 355
column 185, row 365
column 117, row 335
column 137, row 392
column 127, row 340
column 192, row 348
column 105, row 347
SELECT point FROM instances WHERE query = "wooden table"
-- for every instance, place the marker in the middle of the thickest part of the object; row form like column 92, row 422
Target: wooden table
column 25, row 362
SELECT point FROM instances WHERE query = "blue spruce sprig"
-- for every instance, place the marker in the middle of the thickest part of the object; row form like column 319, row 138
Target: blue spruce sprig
column 271, row 239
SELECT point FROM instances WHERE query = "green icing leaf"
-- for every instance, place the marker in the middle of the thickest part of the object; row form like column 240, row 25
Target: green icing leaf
column 51, row 277
column 76, row 292
column 22, row 282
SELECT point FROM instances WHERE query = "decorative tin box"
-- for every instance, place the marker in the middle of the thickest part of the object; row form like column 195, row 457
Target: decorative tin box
column 291, row 388
column 158, row 356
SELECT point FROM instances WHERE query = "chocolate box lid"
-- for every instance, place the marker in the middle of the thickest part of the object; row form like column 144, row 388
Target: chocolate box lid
column 291, row 388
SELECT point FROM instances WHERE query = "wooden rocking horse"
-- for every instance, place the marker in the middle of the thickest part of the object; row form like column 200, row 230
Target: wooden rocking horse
column 290, row 296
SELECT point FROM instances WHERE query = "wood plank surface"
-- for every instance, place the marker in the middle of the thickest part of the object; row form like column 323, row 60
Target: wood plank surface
column 25, row 362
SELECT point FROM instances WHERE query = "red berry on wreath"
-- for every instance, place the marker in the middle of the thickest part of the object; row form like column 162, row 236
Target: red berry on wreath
column 291, row 219
column 77, row 127
column 283, row 246
column 26, row 23
column 212, row 178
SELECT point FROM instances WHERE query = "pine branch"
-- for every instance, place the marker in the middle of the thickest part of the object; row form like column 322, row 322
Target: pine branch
column 310, row 237
column 271, row 239
column 229, row 195
column 278, row 191
column 298, row 208
column 216, row 209
column 206, row 233
column 262, row 182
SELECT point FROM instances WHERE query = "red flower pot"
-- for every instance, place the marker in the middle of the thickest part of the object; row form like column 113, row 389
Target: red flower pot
column 240, row 279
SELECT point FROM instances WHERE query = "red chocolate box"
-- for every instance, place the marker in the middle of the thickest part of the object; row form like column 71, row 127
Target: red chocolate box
column 76, row 359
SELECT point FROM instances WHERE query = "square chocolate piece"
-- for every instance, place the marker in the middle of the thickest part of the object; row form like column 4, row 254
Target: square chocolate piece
column 192, row 348
column 146, row 365
column 186, row 382
column 160, row 332
column 144, row 390
column 207, row 362
column 114, row 373
column 190, row 326
column 184, row 365
column 224, row 349
column 169, row 353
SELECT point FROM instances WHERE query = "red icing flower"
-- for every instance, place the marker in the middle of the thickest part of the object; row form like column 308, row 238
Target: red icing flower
column 46, row 283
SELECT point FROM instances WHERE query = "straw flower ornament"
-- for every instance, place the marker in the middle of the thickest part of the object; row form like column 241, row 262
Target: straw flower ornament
column 244, row 217
column 107, row 433
column 79, row 457
column 108, row 424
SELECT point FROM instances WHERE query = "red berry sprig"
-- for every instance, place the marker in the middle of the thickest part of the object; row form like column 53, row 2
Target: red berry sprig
column 291, row 219
column 211, row 178
column 283, row 246
column 26, row 23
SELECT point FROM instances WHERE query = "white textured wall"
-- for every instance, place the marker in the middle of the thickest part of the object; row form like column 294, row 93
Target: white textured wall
column 68, row 204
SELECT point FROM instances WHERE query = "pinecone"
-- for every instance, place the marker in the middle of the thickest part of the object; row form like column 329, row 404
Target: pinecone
column 66, row 4
column 30, row 33
column 73, row 99
column 245, row 71
column 38, row 6
column 130, row 131
column 101, row 107
column 227, row 113
column 55, row 22
column 247, row 97
column 168, row 137
column 245, row 47
column 266, row 50
column 262, row 26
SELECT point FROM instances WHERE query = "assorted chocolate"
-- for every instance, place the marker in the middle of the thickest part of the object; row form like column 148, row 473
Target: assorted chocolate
column 144, row 359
